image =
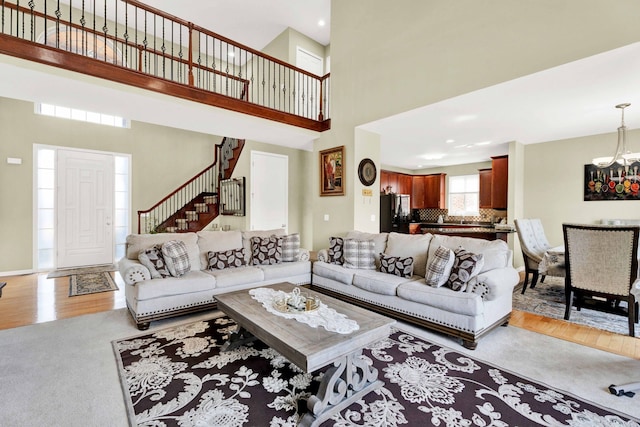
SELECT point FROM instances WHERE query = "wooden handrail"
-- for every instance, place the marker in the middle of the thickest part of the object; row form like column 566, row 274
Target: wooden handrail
column 220, row 37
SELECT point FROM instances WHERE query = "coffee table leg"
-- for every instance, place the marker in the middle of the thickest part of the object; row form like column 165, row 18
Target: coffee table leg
column 237, row 338
column 346, row 381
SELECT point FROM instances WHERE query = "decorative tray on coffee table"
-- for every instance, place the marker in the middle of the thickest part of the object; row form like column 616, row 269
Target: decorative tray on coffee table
column 295, row 302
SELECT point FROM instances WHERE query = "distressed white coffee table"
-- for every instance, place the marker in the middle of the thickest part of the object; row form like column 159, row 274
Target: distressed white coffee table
column 311, row 348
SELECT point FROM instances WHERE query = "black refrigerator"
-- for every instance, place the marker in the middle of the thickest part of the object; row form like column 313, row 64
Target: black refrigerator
column 394, row 212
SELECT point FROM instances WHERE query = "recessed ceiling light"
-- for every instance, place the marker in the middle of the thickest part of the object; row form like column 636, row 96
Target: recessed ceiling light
column 231, row 54
column 462, row 146
column 483, row 143
column 321, row 23
column 449, row 141
column 432, row 156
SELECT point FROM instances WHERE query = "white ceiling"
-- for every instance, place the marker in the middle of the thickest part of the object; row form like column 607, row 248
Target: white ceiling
column 571, row 100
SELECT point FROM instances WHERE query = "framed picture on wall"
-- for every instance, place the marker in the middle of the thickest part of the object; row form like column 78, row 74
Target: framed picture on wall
column 616, row 182
column 332, row 171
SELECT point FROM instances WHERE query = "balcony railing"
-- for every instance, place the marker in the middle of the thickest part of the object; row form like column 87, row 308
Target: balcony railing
column 133, row 36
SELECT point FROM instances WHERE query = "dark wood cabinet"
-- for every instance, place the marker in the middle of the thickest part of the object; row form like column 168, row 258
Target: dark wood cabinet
column 404, row 184
column 434, row 195
column 400, row 183
column 499, row 181
column 485, row 188
column 417, row 192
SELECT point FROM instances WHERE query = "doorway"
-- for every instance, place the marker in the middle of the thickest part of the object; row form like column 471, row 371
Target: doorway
column 82, row 207
column 269, row 191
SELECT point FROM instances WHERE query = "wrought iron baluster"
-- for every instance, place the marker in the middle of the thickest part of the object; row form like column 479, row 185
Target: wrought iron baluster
column 105, row 29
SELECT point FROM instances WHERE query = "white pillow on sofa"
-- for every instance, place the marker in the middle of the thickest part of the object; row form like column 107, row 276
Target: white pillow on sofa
column 410, row 245
column 217, row 241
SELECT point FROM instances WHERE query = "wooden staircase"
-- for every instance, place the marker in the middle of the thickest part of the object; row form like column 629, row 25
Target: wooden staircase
column 193, row 205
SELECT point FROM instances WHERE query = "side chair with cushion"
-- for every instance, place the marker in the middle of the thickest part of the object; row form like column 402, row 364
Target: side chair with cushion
column 602, row 261
column 534, row 244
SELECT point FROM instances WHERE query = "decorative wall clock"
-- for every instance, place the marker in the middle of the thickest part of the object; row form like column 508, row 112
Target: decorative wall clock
column 367, row 172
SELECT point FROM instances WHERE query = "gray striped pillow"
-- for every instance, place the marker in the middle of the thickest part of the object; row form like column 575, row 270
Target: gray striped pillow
column 290, row 247
column 359, row 254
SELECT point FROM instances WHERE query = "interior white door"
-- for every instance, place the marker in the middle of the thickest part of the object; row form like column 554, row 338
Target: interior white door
column 313, row 64
column 84, row 208
column 269, row 191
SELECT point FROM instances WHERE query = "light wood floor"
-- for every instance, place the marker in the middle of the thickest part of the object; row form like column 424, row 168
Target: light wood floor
column 33, row 298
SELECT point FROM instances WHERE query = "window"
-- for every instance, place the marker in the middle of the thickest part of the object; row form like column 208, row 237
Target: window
column 464, row 194
column 81, row 115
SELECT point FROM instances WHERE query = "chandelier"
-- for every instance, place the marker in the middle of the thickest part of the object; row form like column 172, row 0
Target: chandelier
column 623, row 155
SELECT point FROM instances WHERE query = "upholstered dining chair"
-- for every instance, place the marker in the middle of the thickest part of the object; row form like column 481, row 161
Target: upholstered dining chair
column 601, row 261
column 534, row 244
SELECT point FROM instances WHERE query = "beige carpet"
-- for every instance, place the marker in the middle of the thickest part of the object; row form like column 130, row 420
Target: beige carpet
column 64, row 373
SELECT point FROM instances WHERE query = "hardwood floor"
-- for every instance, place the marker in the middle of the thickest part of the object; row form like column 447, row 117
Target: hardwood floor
column 33, row 298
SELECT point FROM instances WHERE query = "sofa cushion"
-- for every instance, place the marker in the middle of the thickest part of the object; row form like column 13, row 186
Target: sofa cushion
column 359, row 254
column 138, row 242
column 176, row 257
column 398, row 266
column 465, row 303
column 226, row 259
column 379, row 239
column 496, row 253
column 193, row 281
column 266, row 250
column 377, row 282
column 466, row 266
column 285, row 269
column 154, row 261
column 410, row 245
column 247, row 235
column 440, row 265
column 334, row 272
column 236, row 276
column 291, row 247
column 217, row 241
column 336, row 250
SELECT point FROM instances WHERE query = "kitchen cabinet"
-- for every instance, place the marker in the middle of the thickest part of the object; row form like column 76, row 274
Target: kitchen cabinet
column 434, row 194
column 427, row 191
column 404, row 184
column 499, row 181
column 400, row 183
column 417, row 192
column 414, row 228
column 484, row 201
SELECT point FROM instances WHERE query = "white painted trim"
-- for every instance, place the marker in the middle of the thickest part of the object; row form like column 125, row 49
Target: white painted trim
column 16, row 273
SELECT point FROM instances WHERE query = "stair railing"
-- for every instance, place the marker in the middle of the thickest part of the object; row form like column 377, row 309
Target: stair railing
column 131, row 35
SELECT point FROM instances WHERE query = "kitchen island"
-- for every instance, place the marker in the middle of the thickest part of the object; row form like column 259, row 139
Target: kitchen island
column 477, row 230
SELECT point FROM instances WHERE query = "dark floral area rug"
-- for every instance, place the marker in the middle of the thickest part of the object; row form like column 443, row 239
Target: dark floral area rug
column 91, row 283
column 178, row 377
column 547, row 299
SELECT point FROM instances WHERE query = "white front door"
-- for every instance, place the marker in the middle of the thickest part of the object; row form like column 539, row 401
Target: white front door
column 84, row 208
column 269, row 191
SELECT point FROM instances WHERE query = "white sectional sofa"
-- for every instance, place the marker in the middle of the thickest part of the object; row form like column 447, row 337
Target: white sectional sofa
column 151, row 298
column 483, row 304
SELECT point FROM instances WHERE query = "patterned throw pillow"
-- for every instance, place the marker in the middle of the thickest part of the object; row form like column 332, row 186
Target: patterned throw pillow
column 466, row 266
column 439, row 267
column 152, row 259
column 290, row 247
column 336, row 250
column 175, row 256
column 359, row 254
column 226, row 259
column 395, row 265
column 266, row 250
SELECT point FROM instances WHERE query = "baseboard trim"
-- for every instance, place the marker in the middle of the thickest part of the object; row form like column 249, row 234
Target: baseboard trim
column 16, row 273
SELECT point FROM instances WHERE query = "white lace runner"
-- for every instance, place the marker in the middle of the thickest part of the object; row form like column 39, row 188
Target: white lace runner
column 324, row 316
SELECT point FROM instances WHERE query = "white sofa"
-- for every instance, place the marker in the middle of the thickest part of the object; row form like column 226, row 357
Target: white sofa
column 151, row 299
column 468, row 314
